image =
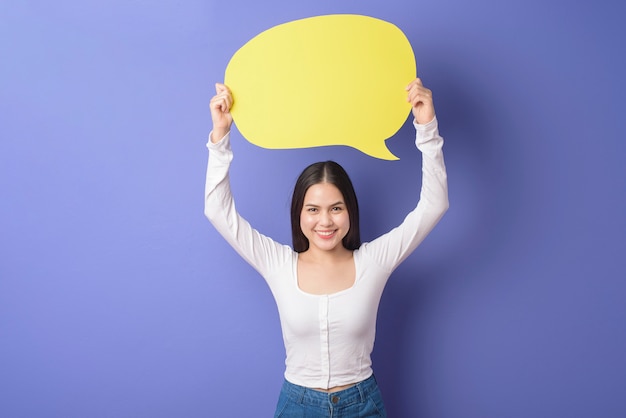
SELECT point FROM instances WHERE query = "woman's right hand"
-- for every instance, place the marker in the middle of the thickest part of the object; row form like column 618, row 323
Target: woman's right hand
column 220, row 112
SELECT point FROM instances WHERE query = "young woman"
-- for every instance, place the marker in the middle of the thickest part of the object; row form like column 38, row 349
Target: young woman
column 327, row 288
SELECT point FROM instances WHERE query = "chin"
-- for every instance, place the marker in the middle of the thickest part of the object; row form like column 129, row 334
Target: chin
column 329, row 246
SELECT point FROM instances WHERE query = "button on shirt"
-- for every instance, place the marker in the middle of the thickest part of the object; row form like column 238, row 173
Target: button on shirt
column 329, row 338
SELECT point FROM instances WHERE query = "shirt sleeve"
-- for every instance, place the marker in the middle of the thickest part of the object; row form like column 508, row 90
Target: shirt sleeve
column 260, row 251
column 390, row 249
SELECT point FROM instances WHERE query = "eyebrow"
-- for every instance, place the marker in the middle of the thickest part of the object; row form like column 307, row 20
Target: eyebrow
column 339, row 203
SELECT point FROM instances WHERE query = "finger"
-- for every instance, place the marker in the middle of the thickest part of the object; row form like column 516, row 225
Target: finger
column 415, row 96
column 417, row 88
column 417, row 82
column 224, row 105
column 224, row 89
column 419, row 94
column 219, row 103
column 220, row 88
column 223, row 92
column 225, row 100
column 416, row 91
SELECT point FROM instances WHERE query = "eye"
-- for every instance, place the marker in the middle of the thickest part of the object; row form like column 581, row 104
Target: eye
column 311, row 210
column 337, row 209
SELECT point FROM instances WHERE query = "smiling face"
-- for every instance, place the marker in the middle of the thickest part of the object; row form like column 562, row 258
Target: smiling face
column 324, row 219
column 324, row 174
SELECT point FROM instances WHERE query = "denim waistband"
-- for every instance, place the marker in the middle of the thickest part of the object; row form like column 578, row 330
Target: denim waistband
column 353, row 395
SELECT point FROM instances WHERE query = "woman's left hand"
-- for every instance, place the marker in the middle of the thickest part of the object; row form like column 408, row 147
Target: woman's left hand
column 421, row 100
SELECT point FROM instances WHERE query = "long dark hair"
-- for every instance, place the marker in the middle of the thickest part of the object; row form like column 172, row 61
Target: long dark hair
column 332, row 173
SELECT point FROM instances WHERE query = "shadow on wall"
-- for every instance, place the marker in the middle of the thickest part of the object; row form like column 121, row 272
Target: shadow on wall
column 483, row 173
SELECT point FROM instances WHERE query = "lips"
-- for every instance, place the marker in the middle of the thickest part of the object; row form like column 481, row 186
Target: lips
column 326, row 234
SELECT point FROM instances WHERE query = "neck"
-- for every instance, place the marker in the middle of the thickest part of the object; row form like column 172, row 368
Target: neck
column 318, row 256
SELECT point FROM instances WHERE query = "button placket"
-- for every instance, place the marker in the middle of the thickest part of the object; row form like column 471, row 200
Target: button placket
column 324, row 337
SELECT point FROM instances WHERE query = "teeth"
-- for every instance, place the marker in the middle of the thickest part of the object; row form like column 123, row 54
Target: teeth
column 325, row 233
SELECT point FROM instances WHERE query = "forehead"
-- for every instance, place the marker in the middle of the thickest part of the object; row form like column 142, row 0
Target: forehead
column 323, row 193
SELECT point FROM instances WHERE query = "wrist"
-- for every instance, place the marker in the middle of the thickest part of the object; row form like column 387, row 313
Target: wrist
column 217, row 134
column 425, row 128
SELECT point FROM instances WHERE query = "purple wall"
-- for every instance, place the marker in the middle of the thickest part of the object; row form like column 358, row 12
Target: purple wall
column 118, row 299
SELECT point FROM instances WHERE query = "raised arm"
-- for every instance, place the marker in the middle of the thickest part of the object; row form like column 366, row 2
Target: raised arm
column 219, row 206
column 393, row 247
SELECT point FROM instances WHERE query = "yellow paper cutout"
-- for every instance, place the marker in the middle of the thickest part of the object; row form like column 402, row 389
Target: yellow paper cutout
column 326, row 80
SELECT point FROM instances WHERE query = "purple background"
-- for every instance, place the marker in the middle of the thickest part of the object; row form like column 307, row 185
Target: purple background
column 118, row 299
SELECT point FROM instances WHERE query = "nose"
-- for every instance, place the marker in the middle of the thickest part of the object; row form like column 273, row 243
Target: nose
column 326, row 219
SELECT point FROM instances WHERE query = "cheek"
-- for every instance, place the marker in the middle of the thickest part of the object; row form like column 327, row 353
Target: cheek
column 345, row 221
column 304, row 221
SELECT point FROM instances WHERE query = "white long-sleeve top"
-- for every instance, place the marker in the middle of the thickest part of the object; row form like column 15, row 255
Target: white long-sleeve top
column 329, row 338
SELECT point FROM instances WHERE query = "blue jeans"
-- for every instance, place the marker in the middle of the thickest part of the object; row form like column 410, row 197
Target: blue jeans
column 361, row 400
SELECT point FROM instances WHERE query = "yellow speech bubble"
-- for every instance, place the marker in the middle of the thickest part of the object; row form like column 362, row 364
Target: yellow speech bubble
column 326, row 80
